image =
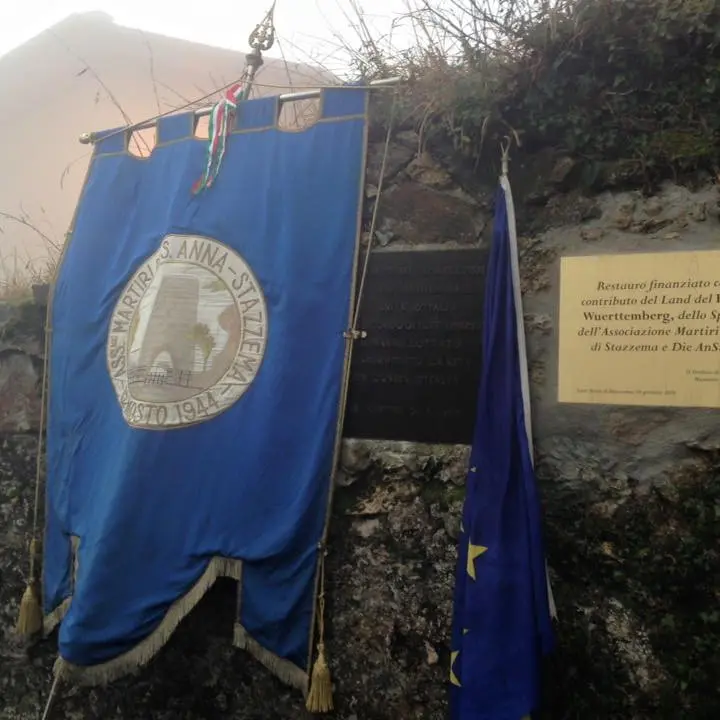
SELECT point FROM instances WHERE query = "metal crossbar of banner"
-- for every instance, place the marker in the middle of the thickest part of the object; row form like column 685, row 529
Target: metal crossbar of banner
column 90, row 138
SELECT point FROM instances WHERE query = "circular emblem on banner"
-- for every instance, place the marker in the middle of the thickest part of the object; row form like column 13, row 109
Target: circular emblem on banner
column 187, row 335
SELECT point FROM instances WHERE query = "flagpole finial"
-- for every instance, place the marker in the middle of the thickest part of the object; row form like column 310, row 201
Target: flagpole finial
column 261, row 39
column 505, row 154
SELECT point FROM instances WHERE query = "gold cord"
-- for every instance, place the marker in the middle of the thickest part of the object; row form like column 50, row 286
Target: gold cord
column 319, row 698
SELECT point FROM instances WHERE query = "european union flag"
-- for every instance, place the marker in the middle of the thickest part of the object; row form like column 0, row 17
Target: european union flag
column 196, row 372
column 502, row 625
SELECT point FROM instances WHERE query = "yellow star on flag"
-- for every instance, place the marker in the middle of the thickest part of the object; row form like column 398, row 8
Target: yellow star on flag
column 453, row 677
column 474, row 552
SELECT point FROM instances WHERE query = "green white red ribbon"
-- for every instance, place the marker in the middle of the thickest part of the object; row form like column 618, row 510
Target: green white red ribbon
column 221, row 121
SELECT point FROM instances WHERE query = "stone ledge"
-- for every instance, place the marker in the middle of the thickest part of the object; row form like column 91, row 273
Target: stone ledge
column 402, row 460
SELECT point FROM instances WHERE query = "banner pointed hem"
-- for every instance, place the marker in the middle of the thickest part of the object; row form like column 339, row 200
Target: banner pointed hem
column 284, row 670
column 146, row 649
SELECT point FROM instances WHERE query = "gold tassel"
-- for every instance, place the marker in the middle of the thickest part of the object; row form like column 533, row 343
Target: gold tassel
column 30, row 619
column 319, row 699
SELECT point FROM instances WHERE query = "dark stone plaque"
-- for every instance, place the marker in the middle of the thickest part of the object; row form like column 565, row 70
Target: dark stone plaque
column 415, row 376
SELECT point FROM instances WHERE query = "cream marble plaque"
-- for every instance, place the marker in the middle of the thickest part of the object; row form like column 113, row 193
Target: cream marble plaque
column 640, row 329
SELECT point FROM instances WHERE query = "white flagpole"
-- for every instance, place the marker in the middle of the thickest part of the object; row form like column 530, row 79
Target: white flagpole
column 520, row 326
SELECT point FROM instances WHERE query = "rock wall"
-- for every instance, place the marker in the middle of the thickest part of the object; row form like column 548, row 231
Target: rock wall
column 632, row 500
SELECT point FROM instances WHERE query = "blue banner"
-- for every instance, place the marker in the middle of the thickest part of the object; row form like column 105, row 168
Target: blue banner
column 196, row 366
column 501, row 625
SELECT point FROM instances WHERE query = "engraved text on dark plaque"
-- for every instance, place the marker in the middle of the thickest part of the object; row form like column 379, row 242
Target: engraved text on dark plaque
column 415, row 376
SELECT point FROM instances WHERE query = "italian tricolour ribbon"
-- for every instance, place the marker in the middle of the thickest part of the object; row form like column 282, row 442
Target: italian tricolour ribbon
column 220, row 125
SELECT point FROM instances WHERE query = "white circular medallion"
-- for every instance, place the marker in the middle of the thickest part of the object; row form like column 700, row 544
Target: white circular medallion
column 187, row 335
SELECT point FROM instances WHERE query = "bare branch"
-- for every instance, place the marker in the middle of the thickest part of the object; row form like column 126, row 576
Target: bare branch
column 153, row 79
column 99, row 80
column 24, row 220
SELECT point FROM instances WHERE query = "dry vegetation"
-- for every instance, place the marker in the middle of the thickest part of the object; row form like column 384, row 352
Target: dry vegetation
column 19, row 273
column 629, row 88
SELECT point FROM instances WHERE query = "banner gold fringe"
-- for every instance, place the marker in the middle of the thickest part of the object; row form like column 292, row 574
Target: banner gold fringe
column 285, row 671
column 144, row 651
column 54, row 618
